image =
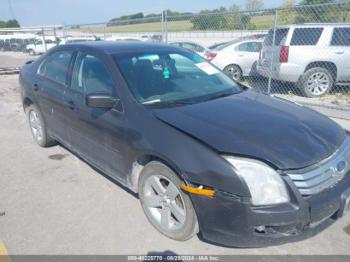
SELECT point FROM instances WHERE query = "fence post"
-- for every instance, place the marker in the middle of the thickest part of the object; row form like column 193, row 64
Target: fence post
column 162, row 26
column 44, row 40
column 55, row 34
column 166, row 25
column 64, row 32
column 273, row 51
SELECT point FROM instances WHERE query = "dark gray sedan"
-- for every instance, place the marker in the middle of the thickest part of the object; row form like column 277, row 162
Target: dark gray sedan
column 205, row 154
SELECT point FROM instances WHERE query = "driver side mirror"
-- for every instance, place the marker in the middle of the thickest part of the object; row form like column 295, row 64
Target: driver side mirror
column 101, row 101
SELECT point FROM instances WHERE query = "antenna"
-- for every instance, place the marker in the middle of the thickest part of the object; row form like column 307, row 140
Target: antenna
column 11, row 9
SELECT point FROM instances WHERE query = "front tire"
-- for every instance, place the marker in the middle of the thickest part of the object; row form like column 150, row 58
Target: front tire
column 316, row 82
column 32, row 52
column 38, row 127
column 165, row 205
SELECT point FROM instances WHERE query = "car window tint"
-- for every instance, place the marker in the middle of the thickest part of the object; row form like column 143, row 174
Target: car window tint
column 341, row 36
column 306, row 36
column 90, row 75
column 55, row 66
column 253, row 47
column 281, row 34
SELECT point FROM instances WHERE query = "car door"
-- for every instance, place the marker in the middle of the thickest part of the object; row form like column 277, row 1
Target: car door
column 340, row 46
column 96, row 134
column 49, row 86
column 247, row 54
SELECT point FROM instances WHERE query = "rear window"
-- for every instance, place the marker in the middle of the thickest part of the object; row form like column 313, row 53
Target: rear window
column 280, row 35
column 306, row 36
column 341, row 37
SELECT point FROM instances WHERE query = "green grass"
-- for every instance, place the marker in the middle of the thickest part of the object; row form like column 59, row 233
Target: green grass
column 174, row 26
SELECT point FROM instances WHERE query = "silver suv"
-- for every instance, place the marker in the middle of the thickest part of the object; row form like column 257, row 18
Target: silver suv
column 315, row 56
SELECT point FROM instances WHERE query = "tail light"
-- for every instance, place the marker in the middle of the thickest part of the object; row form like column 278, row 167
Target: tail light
column 284, row 54
column 211, row 56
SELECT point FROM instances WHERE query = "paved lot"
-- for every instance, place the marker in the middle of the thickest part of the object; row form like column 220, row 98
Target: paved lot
column 53, row 203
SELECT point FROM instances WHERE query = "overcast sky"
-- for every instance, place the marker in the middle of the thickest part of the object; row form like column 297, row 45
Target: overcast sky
column 39, row 12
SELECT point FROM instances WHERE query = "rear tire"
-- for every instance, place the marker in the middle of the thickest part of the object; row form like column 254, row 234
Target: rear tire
column 31, row 52
column 234, row 71
column 165, row 205
column 316, row 82
column 38, row 127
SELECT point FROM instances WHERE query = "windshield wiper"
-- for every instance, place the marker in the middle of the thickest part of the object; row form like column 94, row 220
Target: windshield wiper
column 166, row 103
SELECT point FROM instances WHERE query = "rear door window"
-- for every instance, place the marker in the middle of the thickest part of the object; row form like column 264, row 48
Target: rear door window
column 306, row 36
column 55, row 67
column 253, row 47
column 341, row 36
column 280, row 35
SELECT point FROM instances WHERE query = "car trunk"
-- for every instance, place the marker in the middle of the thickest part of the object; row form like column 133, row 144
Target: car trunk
column 272, row 52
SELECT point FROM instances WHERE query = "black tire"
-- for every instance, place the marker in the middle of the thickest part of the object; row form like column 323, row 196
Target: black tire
column 234, row 71
column 190, row 225
column 45, row 140
column 31, row 52
column 309, row 75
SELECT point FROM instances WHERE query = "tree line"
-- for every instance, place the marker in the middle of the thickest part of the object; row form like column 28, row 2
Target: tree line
column 9, row 24
column 253, row 16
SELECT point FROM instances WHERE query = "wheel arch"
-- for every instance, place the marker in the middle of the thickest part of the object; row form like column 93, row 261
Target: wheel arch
column 141, row 161
column 27, row 102
column 330, row 66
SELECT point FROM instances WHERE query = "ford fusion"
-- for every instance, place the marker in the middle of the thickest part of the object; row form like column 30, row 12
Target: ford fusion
column 205, row 154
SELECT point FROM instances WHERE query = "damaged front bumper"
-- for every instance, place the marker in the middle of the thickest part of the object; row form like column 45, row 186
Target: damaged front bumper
column 230, row 220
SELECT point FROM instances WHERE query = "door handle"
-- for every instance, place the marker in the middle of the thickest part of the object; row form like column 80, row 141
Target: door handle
column 339, row 52
column 70, row 105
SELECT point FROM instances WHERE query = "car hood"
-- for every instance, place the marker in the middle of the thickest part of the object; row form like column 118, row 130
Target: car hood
column 252, row 124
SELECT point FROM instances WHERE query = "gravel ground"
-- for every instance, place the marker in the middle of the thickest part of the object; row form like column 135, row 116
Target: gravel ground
column 14, row 59
column 53, row 203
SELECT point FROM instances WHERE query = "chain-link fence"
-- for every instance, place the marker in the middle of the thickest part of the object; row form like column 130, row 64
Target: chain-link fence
column 300, row 53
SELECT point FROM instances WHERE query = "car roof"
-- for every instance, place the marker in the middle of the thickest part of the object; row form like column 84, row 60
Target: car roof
column 112, row 47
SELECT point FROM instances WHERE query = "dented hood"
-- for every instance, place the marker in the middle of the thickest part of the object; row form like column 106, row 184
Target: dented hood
column 256, row 125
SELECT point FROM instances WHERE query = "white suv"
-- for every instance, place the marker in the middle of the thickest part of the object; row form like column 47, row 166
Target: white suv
column 315, row 56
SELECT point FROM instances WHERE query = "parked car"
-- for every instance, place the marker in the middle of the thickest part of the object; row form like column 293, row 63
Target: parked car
column 76, row 39
column 204, row 153
column 247, row 37
column 123, row 38
column 40, row 46
column 216, row 45
column 194, row 47
column 314, row 56
column 237, row 58
column 2, row 44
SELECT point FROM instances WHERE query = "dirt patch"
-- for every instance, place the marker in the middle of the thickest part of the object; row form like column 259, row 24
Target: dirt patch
column 58, row 156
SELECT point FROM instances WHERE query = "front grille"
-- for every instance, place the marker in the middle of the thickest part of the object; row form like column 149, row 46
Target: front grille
column 326, row 174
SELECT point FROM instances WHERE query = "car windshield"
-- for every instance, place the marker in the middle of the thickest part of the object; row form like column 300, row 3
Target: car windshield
column 173, row 77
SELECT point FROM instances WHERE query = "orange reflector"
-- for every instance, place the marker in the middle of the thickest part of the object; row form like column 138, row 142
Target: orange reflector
column 197, row 190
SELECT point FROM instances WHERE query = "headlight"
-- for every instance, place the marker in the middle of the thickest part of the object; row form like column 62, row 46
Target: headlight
column 265, row 184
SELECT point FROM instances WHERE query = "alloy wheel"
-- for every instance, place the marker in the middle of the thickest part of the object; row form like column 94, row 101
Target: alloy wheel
column 164, row 203
column 35, row 125
column 318, row 83
column 234, row 72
